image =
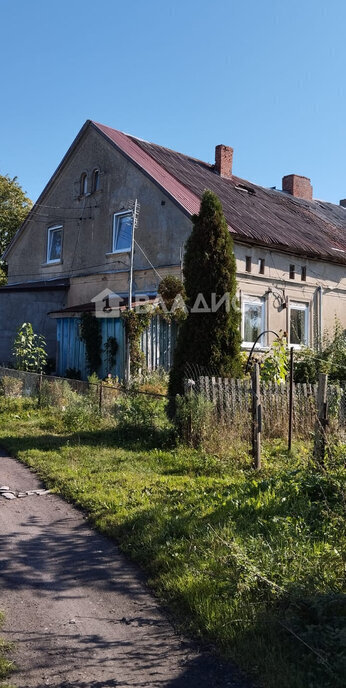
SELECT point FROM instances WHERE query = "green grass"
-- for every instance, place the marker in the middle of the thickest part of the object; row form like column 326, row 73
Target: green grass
column 250, row 562
column 6, row 666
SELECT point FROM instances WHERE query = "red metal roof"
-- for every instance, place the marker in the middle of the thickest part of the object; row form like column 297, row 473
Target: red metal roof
column 189, row 200
column 254, row 214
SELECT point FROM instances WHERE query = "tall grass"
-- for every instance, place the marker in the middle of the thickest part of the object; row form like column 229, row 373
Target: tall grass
column 251, row 562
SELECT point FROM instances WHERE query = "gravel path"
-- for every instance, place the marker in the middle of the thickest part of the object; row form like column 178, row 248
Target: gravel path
column 80, row 614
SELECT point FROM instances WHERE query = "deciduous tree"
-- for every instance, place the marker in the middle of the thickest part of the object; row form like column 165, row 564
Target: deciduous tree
column 14, row 207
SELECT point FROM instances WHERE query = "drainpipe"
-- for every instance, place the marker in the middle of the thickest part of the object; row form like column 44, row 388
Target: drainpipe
column 320, row 316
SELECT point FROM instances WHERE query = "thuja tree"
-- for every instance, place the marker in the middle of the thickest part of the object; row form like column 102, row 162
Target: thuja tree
column 210, row 336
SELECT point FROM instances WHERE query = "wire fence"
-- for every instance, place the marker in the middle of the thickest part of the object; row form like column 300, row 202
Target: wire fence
column 232, row 400
column 16, row 383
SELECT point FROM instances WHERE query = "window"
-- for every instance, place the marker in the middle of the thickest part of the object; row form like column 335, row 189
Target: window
column 303, row 273
column 299, row 323
column 292, row 272
column 95, row 180
column 252, row 319
column 248, row 263
column 84, row 184
column 122, row 232
column 54, row 244
column 261, row 266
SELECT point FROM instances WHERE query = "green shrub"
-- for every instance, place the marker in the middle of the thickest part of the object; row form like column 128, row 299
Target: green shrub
column 139, row 410
column 55, row 393
column 309, row 363
column 195, row 416
column 154, row 382
column 29, row 349
column 81, row 413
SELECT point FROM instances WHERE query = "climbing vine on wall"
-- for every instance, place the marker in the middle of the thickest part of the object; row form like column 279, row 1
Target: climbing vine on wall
column 111, row 348
column 90, row 332
column 172, row 292
column 135, row 324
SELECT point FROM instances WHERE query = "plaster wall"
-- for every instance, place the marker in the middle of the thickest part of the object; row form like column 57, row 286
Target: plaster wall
column 23, row 306
column 88, row 220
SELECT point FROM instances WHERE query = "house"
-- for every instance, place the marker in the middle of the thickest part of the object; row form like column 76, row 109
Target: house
column 73, row 252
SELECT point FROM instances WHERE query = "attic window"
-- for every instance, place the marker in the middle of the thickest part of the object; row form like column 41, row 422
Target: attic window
column 292, row 272
column 248, row 263
column 303, row 273
column 261, row 266
column 84, row 184
column 245, row 189
column 95, row 180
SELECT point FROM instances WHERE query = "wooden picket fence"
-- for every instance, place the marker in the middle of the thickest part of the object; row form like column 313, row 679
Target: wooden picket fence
column 233, row 400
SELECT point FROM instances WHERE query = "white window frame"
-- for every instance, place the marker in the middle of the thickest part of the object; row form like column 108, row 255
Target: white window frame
column 300, row 306
column 116, row 218
column 51, row 230
column 249, row 299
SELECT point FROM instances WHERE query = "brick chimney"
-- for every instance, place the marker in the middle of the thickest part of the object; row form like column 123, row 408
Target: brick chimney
column 297, row 186
column 224, row 160
column 343, row 202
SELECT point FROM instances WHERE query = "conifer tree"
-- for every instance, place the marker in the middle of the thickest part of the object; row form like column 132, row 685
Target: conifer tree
column 209, row 340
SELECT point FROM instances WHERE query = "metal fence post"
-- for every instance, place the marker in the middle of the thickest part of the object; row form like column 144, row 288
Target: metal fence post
column 322, row 418
column 290, row 406
column 256, row 417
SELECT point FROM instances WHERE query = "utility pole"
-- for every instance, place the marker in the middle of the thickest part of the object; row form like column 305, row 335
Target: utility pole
column 135, row 214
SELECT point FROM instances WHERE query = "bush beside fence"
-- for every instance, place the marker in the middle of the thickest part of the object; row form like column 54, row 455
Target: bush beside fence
column 232, row 400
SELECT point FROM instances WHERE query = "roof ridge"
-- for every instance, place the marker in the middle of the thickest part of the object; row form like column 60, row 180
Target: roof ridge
column 172, row 150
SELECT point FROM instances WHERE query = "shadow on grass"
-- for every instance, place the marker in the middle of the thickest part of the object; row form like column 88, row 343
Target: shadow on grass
column 127, row 437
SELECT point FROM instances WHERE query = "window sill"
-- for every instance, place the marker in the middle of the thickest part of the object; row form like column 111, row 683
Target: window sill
column 49, row 263
column 246, row 346
column 116, row 253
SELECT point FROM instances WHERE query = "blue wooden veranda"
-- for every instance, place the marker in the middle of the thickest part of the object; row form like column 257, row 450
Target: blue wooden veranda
column 157, row 342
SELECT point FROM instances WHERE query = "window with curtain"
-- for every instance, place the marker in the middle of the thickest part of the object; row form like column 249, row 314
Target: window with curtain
column 253, row 320
column 299, row 324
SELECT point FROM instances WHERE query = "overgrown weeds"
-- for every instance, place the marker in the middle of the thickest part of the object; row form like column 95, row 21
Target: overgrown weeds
column 250, row 561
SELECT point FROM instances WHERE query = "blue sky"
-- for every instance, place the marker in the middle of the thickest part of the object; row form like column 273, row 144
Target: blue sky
column 264, row 76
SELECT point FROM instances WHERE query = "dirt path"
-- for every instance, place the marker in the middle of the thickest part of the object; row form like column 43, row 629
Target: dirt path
column 79, row 612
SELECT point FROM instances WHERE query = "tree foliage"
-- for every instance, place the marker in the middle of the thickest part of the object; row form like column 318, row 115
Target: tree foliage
column 309, row 363
column 210, row 340
column 169, row 288
column 14, row 207
column 29, row 349
column 275, row 364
